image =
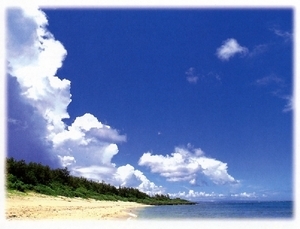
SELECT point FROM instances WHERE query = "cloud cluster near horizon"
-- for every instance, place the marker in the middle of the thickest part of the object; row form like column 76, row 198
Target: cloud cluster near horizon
column 188, row 164
column 191, row 194
column 38, row 102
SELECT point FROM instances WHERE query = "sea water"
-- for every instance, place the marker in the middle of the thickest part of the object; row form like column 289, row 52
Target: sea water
column 220, row 210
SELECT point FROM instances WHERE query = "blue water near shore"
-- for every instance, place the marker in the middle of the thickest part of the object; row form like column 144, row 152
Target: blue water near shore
column 220, row 210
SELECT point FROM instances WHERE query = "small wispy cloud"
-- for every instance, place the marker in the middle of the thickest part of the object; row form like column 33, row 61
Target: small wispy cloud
column 229, row 49
column 193, row 77
column 287, row 36
column 277, row 86
column 289, row 106
column 258, row 49
column 17, row 123
column 271, row 79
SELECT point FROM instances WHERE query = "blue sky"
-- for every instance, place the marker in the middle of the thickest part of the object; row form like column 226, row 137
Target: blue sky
column 196, row 103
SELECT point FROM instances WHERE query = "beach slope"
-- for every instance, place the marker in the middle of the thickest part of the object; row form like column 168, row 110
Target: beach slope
column 33, row 206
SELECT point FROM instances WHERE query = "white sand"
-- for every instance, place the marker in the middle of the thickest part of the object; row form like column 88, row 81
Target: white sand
column 34, row 206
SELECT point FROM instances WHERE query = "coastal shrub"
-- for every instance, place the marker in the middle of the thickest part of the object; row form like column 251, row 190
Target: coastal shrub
column 123, row 199
column 56, row 186
column 114, row 198
column 14, row 183
column 10, row 180
column 96, row 197
column 105, row 197
column 65, row 191
column 78, row 194
column 18, row 185
column 43, row 189
column 82, row 190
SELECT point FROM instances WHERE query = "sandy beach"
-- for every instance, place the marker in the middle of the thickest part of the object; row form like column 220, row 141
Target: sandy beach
column 33, row 206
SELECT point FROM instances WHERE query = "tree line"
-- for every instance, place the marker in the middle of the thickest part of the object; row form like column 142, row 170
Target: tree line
column 40, row 178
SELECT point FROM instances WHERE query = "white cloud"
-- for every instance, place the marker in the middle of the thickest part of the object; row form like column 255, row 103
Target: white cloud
column 201, row 195
column 258, row 49
column 245, row 195
column 290, row 103
column 33, row 58
column 125, row 176
column 129, row 177
column 287, row 36
column 191, row 76
column 192, row 79
column 86, row 146
column 267, row 80
column 184, row 165
column 230, row 48
column 89, row 141
column 278, row 85
column 191, row 194
column 86, row 134
column 67, row 160
column 95, row 172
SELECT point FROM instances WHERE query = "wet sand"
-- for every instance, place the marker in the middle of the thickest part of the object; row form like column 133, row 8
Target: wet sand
column 33, row 206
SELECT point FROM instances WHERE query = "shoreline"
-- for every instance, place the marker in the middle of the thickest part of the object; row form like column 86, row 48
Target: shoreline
column 35, row 206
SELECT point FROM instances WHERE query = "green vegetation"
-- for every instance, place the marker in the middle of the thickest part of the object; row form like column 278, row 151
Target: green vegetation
column 58, row 182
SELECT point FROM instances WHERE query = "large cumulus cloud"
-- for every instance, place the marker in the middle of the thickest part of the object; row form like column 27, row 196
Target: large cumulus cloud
column 38, row 102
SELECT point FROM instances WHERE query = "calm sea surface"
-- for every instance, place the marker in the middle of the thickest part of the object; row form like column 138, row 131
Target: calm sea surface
column 222, row 210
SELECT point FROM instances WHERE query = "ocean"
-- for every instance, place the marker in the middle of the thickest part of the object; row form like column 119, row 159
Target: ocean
column 220, row 210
